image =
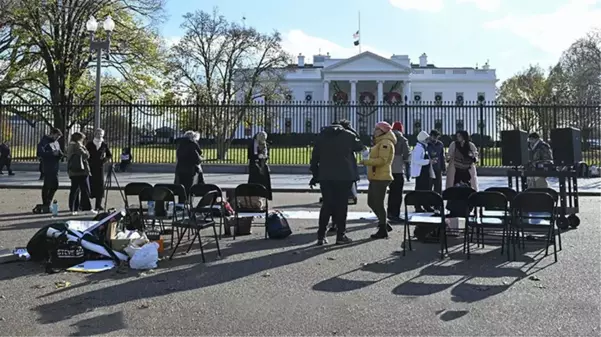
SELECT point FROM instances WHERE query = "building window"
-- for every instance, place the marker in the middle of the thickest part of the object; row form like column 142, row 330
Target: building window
column 288, row 125
column 308, row 96
column 481, row 97
column 417, row 126
column 438, row 125
column 417, row 97
column 459, row 125
column 459, row 98
column 308, row 125
column 438, row 98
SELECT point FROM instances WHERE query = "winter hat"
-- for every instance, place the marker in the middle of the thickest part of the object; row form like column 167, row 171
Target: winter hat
column 422, row 137
column 384, row 126
column 398, row 126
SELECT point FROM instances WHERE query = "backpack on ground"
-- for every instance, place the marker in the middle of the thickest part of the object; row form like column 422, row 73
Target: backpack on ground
column 277, row 226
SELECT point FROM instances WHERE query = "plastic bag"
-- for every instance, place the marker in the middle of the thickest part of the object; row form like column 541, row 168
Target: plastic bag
column 146, row 257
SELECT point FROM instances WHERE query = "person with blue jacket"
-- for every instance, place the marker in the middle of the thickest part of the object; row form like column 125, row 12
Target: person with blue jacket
column 50, row 152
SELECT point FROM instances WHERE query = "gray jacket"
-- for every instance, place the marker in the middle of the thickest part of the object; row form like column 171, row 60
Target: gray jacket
column 401, row 153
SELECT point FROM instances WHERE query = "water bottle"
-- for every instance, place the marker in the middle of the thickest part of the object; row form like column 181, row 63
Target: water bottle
column 151, row 208
column 170, row 209
column 54, row 208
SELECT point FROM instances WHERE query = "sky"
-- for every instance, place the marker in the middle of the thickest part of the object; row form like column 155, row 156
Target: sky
column 509, row 34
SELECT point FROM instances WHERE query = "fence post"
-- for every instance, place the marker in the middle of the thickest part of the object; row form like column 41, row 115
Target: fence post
column 405, row 121
column 481, row 131
column 554, row 112
column 265, row 117
column 130, row 113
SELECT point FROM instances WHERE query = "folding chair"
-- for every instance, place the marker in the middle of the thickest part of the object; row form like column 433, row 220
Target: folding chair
column 457, row 204
column 508, row 192
column 425, row 199
column 180, row 192
column 247, row 192
column 198, row 219
column 555, row 196
column 490, row 212
column 219, row 206
column 134, row 189
column 534, row 212
column 161, row 196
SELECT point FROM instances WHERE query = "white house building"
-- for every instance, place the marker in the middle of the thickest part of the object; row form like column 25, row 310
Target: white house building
column 443, row 98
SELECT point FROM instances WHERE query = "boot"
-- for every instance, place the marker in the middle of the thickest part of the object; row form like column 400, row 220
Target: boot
column 382, row 232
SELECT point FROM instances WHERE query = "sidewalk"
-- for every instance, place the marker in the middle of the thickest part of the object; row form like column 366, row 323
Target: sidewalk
column 279, row 182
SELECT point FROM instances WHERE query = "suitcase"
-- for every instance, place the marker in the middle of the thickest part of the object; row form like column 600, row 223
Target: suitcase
column 352, row 199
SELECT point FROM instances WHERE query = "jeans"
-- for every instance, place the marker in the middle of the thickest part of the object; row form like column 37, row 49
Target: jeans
column 79, row 194
column 376, row 193
column 49, row 188
column 395, row 195
column 335, row 205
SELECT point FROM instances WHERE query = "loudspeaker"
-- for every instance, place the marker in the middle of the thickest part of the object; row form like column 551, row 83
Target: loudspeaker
column 567, row 146
column 514, row 148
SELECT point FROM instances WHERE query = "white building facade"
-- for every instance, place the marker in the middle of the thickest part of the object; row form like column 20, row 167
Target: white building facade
column 421, row 96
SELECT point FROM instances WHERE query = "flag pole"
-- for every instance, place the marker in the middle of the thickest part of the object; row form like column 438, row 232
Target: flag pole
column 359, row 19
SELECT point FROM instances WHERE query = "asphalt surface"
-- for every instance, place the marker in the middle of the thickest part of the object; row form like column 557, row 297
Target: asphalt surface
column 291, row 287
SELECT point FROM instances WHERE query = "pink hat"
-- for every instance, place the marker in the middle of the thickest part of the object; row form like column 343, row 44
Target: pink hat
column 384, row 126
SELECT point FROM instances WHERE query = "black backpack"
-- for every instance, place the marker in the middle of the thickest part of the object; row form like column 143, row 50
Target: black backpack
column 277, row 226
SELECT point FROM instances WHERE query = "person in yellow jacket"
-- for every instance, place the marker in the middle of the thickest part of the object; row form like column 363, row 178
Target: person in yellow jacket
column 379, row 174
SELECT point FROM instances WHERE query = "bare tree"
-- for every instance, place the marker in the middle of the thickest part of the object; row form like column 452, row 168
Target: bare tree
column 218, row 62
column 46, row 47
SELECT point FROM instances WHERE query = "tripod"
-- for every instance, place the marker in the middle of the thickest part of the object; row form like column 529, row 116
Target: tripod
column 108, row 183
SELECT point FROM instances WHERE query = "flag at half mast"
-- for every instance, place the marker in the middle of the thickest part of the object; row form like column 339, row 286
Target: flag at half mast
column 357, row 38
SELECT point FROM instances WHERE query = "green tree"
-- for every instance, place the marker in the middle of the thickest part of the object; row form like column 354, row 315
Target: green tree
column 219, row 63
column 44, row 46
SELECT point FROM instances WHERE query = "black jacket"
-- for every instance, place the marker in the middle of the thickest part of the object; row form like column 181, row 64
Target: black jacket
column 333, row 157
column 4, row 151
column 189, row 157
column 45, row 151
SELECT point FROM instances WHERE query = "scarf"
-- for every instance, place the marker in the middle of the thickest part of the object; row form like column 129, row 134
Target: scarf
column 98, row 142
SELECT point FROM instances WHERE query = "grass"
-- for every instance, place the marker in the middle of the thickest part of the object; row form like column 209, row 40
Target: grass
column 156, row 154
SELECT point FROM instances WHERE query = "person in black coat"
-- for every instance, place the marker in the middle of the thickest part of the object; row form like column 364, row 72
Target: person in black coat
column 189, row 159
column 258, row 154
column 5, row 158
column 100, row 154
column 50, row 152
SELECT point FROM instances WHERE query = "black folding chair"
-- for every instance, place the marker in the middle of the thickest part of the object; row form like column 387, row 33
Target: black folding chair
column 218, row 207
column 534, row 212
column 199, row 218
column 457, row 204
column 491, row 211
column 247, row 192
column 180, row 192
column 508, row 192
column 425, row 199
column 555, row 196
column 134, row 189
column 161, row 197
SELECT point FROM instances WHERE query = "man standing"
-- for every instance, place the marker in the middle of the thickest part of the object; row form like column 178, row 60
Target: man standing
column 540, row 156
column 50, row 153
column 334, row 167
column 401, row 157
column 5, row 158
column 436, row 151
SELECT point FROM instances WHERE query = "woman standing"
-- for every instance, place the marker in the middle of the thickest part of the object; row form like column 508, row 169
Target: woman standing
column 100, row 154
column 379, row 174
column 78, row 169
column 462, row 158
column 421, row 166
column 188, row 156
column 258, row 154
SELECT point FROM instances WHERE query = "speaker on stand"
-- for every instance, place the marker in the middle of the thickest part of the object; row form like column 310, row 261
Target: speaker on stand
column 514, row 148
column 566, row 144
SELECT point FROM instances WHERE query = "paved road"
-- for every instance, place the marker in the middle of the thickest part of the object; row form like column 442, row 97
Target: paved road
column 290, row 287
column 281, row 182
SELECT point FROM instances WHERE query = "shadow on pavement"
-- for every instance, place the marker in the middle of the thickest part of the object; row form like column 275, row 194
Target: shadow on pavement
column 100, row 325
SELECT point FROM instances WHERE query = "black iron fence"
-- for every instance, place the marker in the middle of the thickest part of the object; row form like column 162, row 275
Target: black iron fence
column 150, row 129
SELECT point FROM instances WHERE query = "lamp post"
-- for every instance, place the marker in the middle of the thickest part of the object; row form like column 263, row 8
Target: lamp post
column 98, row 46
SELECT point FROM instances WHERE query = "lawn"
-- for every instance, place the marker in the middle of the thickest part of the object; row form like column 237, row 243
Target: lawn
column 155, row 154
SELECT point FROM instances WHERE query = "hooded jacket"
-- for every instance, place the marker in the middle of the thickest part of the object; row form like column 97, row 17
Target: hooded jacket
column 381, row 156
column 401, row 152
column 188, row 156
column 77, row 151
column 45, row 151
column 333, row 156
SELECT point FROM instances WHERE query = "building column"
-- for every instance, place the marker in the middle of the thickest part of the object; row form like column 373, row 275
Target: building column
column 326, row 91
column 353, row 102
column 380, row 100
column 407, row 91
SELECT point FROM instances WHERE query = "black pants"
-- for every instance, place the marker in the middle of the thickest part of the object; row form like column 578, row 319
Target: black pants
column 437, row 182
column 49, row 188
column 395, row 195
column 423, row 183
column 4, row 161
column 41, row 168
column 334, row 204
column 186, row 180
column 408, row 171
column 79, row 194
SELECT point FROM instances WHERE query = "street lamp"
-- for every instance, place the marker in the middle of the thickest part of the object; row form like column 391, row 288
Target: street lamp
column 98, row 46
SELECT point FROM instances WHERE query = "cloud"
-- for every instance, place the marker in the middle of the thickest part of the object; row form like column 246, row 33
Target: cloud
column 419, row 5
column 172, row 40
column 553, row 32
column 297, row 42
column 485, row 5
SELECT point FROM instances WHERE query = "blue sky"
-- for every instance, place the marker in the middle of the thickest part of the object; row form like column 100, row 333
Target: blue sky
column 510, row 33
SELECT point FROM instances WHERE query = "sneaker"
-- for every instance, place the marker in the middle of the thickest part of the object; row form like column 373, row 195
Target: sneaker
column 388, row 227
column 380, row 234
column 92, row 212
column 73, row 213
column 343, row 240
column 11, row 173
column 321, row 242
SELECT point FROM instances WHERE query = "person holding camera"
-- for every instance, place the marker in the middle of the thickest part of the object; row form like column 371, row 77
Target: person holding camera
column 50, row 152
column 100, row 154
